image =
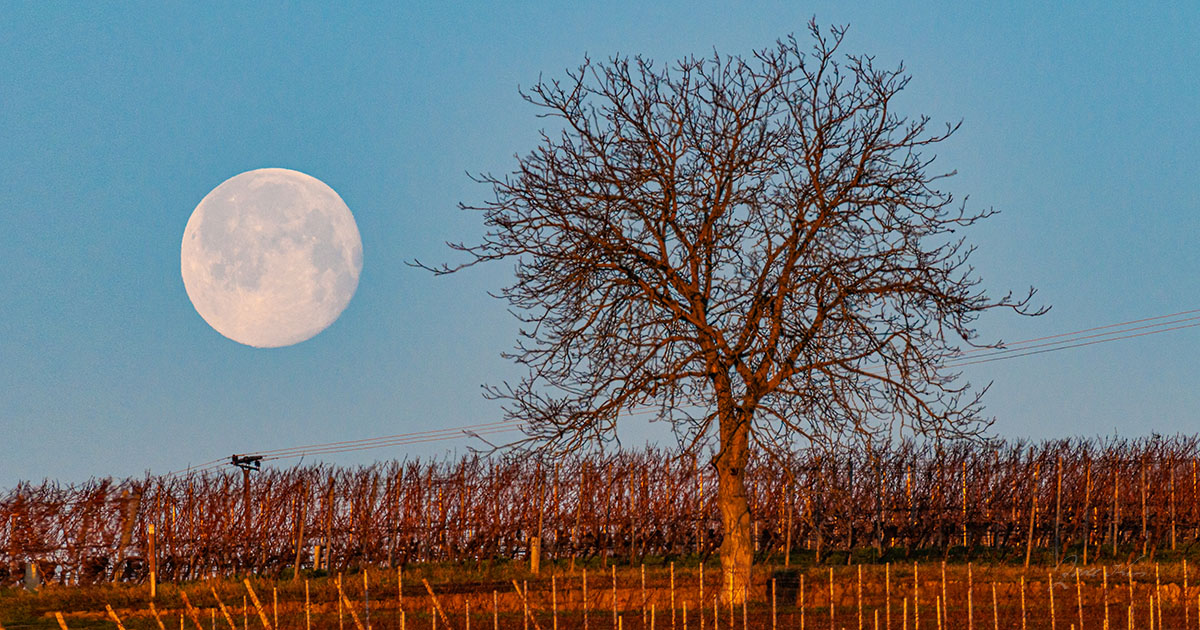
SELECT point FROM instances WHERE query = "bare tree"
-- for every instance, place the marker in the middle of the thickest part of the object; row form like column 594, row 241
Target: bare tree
column 753, row 246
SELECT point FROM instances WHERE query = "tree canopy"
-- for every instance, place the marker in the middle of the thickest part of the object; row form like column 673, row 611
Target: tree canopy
column 758, row 247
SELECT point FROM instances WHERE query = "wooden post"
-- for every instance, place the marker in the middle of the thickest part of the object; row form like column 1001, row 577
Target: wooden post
column 858, row 598
column 62, row 624
column 343, row 602
column 801, row 604
column 916, row 600
column 307, row 608
column 964, row 506
column 585, row 601
column 157, row 618
column 554, row 601
column 192, row 613
column 643, row 595
column 153, row 563
column 1079, row 596
column 438, row 606
column 246, row 506
column 328, row 546
column 1104, row 592
column 942, row 619
column 1053, row 613
column 224, row 611
column 614, row 595
column 1087, row 509
column 117, row 620
column 787, row 546
column 673, row 594
column 300, row 536
column 996, row 610
column 831, row 622
column 262, row 615
column 1022, row 602
column 1145, row 536
column 970, row 599
column 1032, row 517
column 1171, row 483
column 773, row 625
column 1116, row 514
column 1057, row 508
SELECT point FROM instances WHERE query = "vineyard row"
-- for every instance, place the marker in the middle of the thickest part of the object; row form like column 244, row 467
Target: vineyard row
column 1090, row 496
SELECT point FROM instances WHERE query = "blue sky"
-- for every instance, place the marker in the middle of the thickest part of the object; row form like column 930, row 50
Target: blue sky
column 1079, row 125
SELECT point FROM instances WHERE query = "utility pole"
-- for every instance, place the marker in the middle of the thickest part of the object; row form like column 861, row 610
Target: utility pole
column 247, row 463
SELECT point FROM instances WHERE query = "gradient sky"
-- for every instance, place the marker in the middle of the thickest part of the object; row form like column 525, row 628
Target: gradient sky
column 1079, row 124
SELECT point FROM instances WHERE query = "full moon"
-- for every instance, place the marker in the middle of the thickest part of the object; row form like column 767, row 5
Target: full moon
column 271, row 257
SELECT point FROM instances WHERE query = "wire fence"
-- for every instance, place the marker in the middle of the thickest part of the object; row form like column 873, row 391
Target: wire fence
column 1089, row 497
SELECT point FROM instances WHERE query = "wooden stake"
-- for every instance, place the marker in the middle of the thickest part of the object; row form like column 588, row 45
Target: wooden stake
column 1079, row 597
column 585, row 601
column 858, row 598
column 616, row 618
column 937, row 608
column 643, row 595
column 673, row 595
column 1053, row 613
column 496, row 612
column 113, row 615
column 1022, row 602
column 887, row 596
column 307, row 608
column 524, row 604
column 916, row 600
column 262, row 615
column 773, row 604
column 345, row 603
column 1187, row 611
column 970, row 599
column 996, row 609
column 62, row 624
column 1032, row 517
column 941, row 618
column 438, row 606
column 192, row 613
column 224, row 611
column 154, row 564
column 831, row 623
column 554, row 600
column 1104, row 571
column 157, row 618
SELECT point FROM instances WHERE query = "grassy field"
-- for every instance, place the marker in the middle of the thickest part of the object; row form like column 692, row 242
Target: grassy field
column 653, row 596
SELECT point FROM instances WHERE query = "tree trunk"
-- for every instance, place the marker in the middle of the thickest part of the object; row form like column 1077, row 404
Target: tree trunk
column 737, row 549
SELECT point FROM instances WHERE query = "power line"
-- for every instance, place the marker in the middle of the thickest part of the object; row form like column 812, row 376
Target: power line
column 1011, row 346
column 366, row 442
column 1011, row 350
column 1067, row 345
